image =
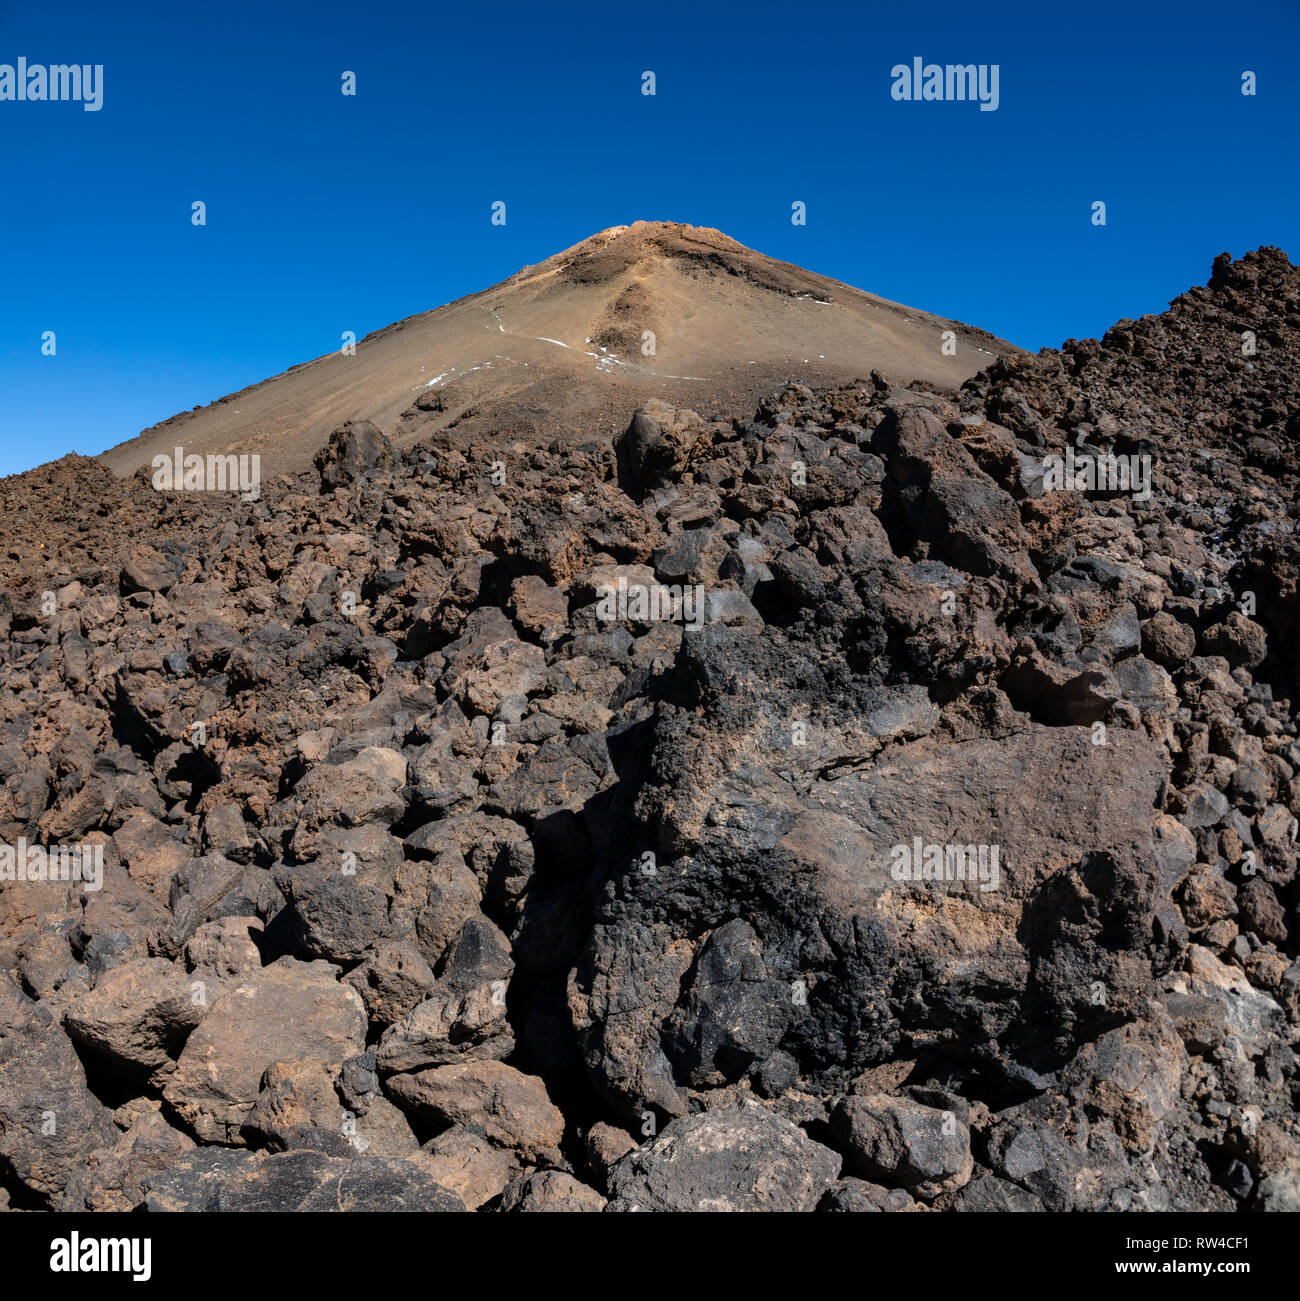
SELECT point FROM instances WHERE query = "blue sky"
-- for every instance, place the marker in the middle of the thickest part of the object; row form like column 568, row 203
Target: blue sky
column 328, row 213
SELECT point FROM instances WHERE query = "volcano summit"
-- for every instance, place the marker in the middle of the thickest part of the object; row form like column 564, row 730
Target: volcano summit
column 577, row 343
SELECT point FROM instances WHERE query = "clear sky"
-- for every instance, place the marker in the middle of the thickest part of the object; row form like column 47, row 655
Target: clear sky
column 328, row 213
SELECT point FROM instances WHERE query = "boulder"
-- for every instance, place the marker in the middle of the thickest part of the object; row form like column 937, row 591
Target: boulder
column 289, row 1011
column 743, row 1159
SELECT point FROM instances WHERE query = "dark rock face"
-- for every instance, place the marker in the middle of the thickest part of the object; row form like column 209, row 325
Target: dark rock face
column 353, row 449
column 815, row 809
column 217, row 1180
column 49, row 1119
column 748, row 1159
column 905, row 1144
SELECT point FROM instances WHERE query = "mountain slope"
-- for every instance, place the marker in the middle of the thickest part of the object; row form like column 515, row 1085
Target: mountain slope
column 557, row 350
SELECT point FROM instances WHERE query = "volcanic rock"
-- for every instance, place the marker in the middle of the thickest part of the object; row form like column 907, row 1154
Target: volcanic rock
column 912, row 834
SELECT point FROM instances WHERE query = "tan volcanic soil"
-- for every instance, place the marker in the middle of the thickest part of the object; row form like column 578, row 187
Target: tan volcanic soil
column 556, row 351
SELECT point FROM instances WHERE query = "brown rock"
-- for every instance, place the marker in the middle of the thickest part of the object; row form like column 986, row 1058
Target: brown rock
column 289, row 1011
column 512, row 1108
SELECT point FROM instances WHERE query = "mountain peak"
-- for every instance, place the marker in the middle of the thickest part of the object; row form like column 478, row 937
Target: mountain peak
column 570, row 347
column 611, row 252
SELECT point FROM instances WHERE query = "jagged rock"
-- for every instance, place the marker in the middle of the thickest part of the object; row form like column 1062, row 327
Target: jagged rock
column 1279, row 1191
column 734, row 1014
column 550, row 1190
column 1027, row 1149
column 512, row 1108
column 289, row 1011
column 464, row 1162
column 146, row 570
column 660, row 441
column 392, row 980
column 1205, row 807
column 1259, row 910
column 901, row 1143
column 50, row 1122
column 353, row 449
column 340, row 900
column 607, row 1145
column 112, row 1178
column 1131, row 1075
column 138, row 1016
column 747, row 1159
column 1168, row 641
column 225, row 947
column 852, row 1196
column 210, row 888
column 226, row 833
column 1249, row 1013
column 465, row 1013
column 989, row 1193
column 1239, row 640
column 297, row 1107
column 216, row 1179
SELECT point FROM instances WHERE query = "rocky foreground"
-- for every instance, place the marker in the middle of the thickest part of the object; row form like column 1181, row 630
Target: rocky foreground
column 435, row 879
